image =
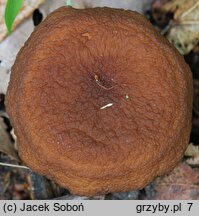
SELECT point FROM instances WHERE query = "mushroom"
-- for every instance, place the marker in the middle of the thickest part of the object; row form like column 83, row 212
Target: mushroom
column 100, row 101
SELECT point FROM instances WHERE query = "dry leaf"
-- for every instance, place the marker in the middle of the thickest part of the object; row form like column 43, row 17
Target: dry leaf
column 28, row 7
column 192, row 150
column 4, row 183
column 181, row 184
column 184, row 32
column 6, row 146
column 175, row 5
column 193, row 161
column 10, row 46
column 140, row 6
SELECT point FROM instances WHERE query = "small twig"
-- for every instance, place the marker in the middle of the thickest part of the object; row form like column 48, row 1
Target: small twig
column 104, row 86
column 174, row 24
column 13, row 165
column 166, row 29
column 192, row 22
column 189, row 10
column 98, row 83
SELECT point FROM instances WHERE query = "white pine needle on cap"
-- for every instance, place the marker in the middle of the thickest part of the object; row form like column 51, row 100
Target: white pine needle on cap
column 107, row 105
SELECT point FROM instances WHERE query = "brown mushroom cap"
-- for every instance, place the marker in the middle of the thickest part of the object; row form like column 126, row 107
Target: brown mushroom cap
column 100, row 101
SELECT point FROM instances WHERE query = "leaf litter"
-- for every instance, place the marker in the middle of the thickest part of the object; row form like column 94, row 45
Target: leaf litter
column 181, row 184
column 184, row 28
column 185, row 18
